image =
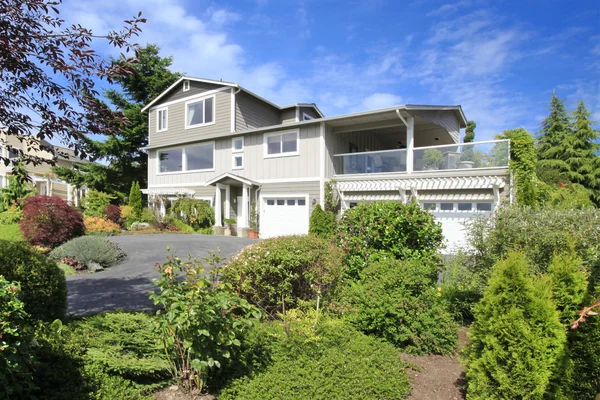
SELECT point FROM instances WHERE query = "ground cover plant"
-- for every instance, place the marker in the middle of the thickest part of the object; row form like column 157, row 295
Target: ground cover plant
column 89, row 249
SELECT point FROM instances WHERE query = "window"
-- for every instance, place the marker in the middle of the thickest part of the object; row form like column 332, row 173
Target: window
column 237, row 144
column 170, row 160
column 446, row 206
column 200, row 112
column 280, row 202
column 238, row 161
column 270, row 202
column 306, row 117
column 200, row 157
column 161, row 120
column 186, row 85
column 281, row 144
column 429, row 206
column 291, row 202
column 301, row 202
column 484, row 206
column 465, row 206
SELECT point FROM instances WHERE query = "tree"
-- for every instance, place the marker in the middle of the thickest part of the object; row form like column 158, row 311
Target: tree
column 135, row 199
column 49, row 76
column 554, row 129
column 18, row 188
column 470, row 132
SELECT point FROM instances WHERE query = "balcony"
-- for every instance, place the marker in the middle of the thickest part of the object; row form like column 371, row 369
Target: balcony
column 476, row 155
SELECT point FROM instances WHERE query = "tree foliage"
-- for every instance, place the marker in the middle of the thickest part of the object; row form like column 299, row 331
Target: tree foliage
column 522, row 164
column 135, row 199
column 321, row 222
column 470, row 132
column 18, row 187
column 554, row 130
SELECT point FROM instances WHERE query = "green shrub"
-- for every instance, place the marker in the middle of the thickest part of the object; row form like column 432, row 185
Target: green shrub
column 292, row 268
column 147, row 216
column 392, row 229
column 183, row 227
column 43, row 284
column 433, row 159
column 10, row 232
column 88, row 249
column 461, row 288
column 95, row 202
column 135, row 200
column 330, row 361
column 516, row 338
column 206, row 231
column 321, row 223
column 398, row 301
column 196, row 213
column 569, row 285
column 11, row 216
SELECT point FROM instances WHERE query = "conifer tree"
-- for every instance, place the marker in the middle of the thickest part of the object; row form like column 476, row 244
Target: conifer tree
column 554, row 129
column 135, row 199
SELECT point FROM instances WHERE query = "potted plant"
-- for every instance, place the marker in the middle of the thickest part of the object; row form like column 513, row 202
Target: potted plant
column 228, row 223
column 433, row 159
column 253, row 233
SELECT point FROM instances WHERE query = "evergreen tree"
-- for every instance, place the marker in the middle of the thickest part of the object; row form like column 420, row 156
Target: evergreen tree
column 470, row 132
column 554, row 129
column 135, row 199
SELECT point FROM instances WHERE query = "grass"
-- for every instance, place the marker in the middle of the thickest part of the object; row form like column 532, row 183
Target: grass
column 66, row 269
column 10, row 232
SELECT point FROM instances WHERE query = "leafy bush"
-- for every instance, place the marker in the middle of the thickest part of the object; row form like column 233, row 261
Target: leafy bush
column 49, row 221
column 10, row 232
column 88, row 249
column 398, row 301
column 200, row 322
column 15, row 344
column 135, row 200
column 147, row 216
column 196, row 213
column 569, row 284
column 112, row 213
column 95, row 203
column 461, row 288
column 285, row 269
column 127, row 216
column 206, row 231
column 18, row 187
column 392, row 229
column 100, row 225
column 11, row 216
column 183, row 227
column 321, row 223
column 43, row 284
column 330, row 361
column 516, row 338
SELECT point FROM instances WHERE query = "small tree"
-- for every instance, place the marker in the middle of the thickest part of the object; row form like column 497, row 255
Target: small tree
column 331, row 200
column 516, row 338
column 95, row 203
column 135, row 199
column 253, row 217
column 321, row 223
column 523, row 165
column 18, row 187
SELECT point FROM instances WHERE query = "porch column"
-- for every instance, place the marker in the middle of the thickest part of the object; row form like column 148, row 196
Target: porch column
column 218, row 206
column 69, row 193
column 48, row 190
column 410, row 143
column 227, row 201
column 245, row 211
column 76, row 197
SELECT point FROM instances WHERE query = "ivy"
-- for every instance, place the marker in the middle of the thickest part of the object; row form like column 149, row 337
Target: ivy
column 522, row 164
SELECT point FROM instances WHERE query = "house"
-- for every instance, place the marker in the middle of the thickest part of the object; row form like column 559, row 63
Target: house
column 219, row 142
column 44, row 180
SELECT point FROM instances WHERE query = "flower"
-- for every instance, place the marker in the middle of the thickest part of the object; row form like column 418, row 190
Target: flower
column 561, row 184
column 169, row 270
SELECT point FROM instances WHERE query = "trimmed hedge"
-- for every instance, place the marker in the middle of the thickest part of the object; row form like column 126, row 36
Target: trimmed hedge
column 43, row 284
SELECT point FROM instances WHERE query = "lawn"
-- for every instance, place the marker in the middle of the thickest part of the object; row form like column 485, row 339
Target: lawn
column 10, row 232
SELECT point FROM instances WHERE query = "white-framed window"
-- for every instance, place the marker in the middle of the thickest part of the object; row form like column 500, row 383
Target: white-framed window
column 465, row 206
column 237, row 150
column 199, row 157
column 281, row 144
column 237, row 144
column 430, row 206
column 306, row 117
column 484, row 206
column 200, row 112
column 162, row 119
column 237, row 161
column 446, row 206
column 186, row 85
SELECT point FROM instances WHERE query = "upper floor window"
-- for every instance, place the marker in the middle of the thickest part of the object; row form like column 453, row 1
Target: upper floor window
column 237, row 144
column 186, row 85
column 237, row 148
column 306, row 117
column 281, row 144
column 200, row 157
column 162, row 120
column 200, row 112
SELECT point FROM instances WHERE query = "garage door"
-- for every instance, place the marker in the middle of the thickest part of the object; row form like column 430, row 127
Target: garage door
column 284, row 216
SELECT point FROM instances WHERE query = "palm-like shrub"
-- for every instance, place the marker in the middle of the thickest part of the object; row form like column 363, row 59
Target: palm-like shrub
column 88, row 249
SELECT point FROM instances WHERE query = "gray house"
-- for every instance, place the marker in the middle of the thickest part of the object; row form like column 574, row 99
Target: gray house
column 219, row 142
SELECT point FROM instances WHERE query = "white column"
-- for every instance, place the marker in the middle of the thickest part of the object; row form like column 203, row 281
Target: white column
column 218, row 206
column 227, row 201
column 48, row 192
column 410, row 143
column 245, row 208
column 76, row 197
column 69, row 193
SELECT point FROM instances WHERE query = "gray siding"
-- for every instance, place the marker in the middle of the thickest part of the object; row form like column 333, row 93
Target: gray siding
column 195, row 88
column 288, row 115
column 251, row 113
column 442, row 118
column 177, row 133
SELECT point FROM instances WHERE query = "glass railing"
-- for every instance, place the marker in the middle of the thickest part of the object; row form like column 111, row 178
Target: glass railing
column 371, row 162
column 490, row 154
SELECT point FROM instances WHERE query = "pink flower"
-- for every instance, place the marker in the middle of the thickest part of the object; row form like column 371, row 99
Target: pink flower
column 561, row 184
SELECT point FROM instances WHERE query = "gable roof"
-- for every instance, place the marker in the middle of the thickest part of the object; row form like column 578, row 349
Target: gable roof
column 230, row 84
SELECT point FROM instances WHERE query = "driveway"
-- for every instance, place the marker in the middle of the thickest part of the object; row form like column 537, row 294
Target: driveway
column 126, row 286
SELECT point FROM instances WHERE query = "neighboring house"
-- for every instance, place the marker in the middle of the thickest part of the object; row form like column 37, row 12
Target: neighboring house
column 219, row 142
column 45, row 181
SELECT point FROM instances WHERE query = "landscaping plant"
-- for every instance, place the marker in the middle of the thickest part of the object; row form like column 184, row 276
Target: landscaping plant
column 50, row 221
column 88, row 249
column 135, row 200
column 112, row 212
column 196, row 213
column 200, row 321
column 321, row 223
column 95, row 202
column 100, row 225
column 11, row 215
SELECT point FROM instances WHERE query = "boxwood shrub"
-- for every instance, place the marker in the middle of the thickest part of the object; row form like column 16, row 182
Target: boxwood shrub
column 295, row 268
column 43, row 284
column 88, row 249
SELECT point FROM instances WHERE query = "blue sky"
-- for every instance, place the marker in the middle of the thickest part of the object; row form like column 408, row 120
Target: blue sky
column 500, row 60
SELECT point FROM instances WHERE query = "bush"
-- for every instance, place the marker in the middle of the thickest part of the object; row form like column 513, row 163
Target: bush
column 321, row 223
column 100, row 225
column 11, row 216
column 332, row 361
column 49, row 221
column 112, row 213
column 196, row 213
column 10, row 232
column 147, row 216
column 135, row 200
column 292, row 268
column 127, row 216
column 569, row 285
column 516, row 338
column 89, row 249
column 183, row 227
column 43, row 284
column 95, row 203
column 393, row 229
column 398, row 301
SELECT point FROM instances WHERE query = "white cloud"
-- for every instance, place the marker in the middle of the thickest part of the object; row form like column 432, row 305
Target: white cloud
column 222, row 17
column 379, row 100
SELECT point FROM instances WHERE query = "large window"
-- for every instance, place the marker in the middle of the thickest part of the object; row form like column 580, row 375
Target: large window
column 281, row 144
column 200, row 112
column 170, row 160
column 162, row 120
column 192, row 158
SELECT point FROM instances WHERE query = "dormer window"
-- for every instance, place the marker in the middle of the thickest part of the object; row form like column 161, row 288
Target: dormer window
column 186, row 85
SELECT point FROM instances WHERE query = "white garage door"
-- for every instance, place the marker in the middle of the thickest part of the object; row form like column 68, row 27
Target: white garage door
column 284, row 216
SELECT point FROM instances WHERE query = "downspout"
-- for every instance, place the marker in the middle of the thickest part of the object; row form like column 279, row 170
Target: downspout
column 401, row 117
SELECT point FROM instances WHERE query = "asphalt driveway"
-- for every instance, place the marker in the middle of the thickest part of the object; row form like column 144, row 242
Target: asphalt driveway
column 126, row 286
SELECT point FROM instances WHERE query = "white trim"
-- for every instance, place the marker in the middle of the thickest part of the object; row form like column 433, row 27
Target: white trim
column 210, row 199
column 233, row 157
column 233, row 149
column 297, row 114
column 186, row 82
column 184, row 166
column 306, row 117
column 233, row 110
column 188, row 98
column 261, row 181
column 203, row 100
column 281, row 154
column 322, row 164
column 158, row 111
column 232, row 176
column 187, row 78
column 289, row 180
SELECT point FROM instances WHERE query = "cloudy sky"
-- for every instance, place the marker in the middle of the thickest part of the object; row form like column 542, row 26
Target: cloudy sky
column 500, row 60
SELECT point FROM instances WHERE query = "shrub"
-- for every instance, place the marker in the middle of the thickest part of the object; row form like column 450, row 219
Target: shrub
column 100, row 225
column 135, row 199
column 11, row 216
column 10, row 232
column 200, row 322
column 569, row 284
column 329, row 361
column 398, row 301
column 88, row 249
column 206, row 231
column 196, row 213
column 95, row 203
column 43, row 284
column 112, row 213
column 127, row 216
column 183, row 227
column 433, row 159
column 394, row 229
column 49, row 221
column 147, row 216
column 516, row 338
column 321, row 223
column 285, row 269
column 461, row 288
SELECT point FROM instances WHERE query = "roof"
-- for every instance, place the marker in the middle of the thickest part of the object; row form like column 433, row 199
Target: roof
column 228, row 178
column 230, row 84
